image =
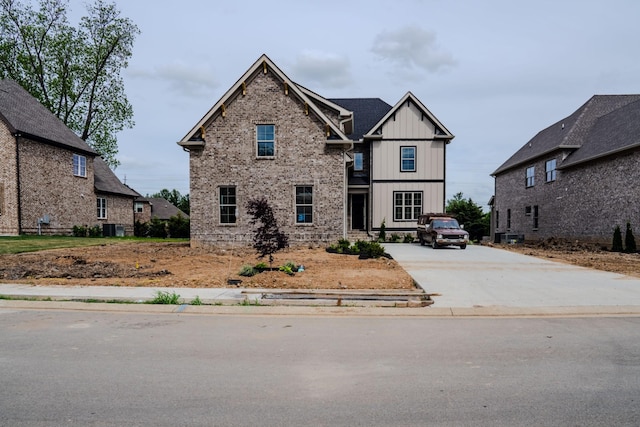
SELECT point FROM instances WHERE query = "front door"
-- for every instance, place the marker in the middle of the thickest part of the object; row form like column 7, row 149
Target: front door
column 358, row 211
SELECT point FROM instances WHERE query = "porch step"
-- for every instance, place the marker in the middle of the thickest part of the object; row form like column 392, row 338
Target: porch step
column 354, row 236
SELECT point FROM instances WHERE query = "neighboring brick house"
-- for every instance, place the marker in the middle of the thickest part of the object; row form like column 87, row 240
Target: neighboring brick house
column 327, row 167
column 50, row 179
column 147, row 208
column 576, row 179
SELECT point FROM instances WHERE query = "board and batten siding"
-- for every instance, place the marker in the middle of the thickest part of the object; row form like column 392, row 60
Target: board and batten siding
column 429, row 160
column 382, row 201
column 407, row 127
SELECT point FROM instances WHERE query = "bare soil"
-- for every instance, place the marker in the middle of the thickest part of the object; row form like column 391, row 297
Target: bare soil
column 582, row 254
column 179, row 265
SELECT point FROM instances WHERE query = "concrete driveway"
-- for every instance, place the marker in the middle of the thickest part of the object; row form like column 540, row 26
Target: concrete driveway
column 481, row 276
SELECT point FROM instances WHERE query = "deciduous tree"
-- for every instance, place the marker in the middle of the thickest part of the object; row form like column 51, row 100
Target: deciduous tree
column 73, row 71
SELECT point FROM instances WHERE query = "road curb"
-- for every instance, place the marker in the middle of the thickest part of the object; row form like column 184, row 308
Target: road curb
column 333, row 311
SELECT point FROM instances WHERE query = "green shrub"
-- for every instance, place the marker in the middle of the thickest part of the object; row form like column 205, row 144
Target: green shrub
column 261, row 266
column 178, row 226
column 408, row 238
column 79, row 231
column 616, row 245
column 395, row 238
column 382, row 235
column 196, row 301
column 629, row 240
column 95, row 231
column 247, row 271
column 343, row 245
column 157, row 228
column 141, row 229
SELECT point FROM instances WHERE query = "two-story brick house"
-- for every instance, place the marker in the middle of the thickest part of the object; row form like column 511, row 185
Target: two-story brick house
column 327, row 166
column 50, row 179
column 577, row 179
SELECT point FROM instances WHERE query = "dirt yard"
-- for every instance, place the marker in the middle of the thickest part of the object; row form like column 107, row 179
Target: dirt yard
column 178, row 265
column 584, row 255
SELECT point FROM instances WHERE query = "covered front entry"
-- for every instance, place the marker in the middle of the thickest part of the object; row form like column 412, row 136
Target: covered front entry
column 358, row 211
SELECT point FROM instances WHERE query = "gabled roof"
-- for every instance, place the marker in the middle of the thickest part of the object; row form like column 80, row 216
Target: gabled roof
column 105, row 181
column 610, row 134
column 441, row 131
column 366, row 111
column 589, row 132
column 263, row 65
column 25, row 115
column 162, row 208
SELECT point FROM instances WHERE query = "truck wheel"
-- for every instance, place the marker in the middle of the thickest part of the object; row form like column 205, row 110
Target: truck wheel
column 463, row 246
column 434, row 244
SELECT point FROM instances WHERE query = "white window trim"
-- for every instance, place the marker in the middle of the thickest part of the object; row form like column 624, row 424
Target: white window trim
column 258, row 141
column 81, row 169
column 296, row 204
column 101, row 208
column 221, row 205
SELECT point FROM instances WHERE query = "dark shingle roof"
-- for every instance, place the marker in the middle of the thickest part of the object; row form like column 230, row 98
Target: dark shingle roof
column 611, row 133
column 25, row 114
column 105, row 181
column 589, row 131
column 163, row 209
column 366, row 113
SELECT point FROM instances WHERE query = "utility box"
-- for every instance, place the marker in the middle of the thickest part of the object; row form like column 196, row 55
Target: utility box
column 108, row 230
column 511, row 238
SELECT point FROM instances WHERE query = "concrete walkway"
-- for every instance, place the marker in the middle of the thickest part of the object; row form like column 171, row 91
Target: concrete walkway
column 481, row 276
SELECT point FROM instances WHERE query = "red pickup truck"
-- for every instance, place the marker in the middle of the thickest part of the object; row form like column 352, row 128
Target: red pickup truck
column 441, row 230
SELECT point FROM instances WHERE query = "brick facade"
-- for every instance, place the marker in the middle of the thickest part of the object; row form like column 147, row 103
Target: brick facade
column 8, row 188
column 302, row 157
column 585, row 202
column 44, row 168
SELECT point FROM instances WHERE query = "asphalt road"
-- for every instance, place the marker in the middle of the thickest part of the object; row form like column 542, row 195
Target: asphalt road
column 65, row 368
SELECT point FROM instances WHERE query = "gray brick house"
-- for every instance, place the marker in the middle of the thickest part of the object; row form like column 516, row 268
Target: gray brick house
column 576, row 179
column 50, row 179
column 330, row 168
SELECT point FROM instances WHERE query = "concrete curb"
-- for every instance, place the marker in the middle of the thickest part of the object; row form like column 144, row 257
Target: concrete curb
column 322, row 311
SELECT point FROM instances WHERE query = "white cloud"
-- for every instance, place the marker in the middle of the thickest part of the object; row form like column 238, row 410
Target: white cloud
column 326, row 70
column 189, row 80
column 412, row 48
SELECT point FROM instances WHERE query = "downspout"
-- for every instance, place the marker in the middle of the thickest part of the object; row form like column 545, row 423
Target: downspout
column 17, row 136
column 345, row 194
column 444, row 177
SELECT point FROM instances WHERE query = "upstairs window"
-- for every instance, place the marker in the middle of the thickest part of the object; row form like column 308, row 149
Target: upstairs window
column 304, row 204
column 407, row 159
column 266, row 140
column 101, row 205
column 531, row 176
column 228, row 205
column 550, row 170
column 79, row 165
column 358, row 162
column 407, row 206
column 139, row 207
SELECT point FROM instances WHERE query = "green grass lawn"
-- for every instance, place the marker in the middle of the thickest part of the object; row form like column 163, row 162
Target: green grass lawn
column 18, row 244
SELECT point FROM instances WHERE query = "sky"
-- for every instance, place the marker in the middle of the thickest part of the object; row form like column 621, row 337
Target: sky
column 494, row 72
